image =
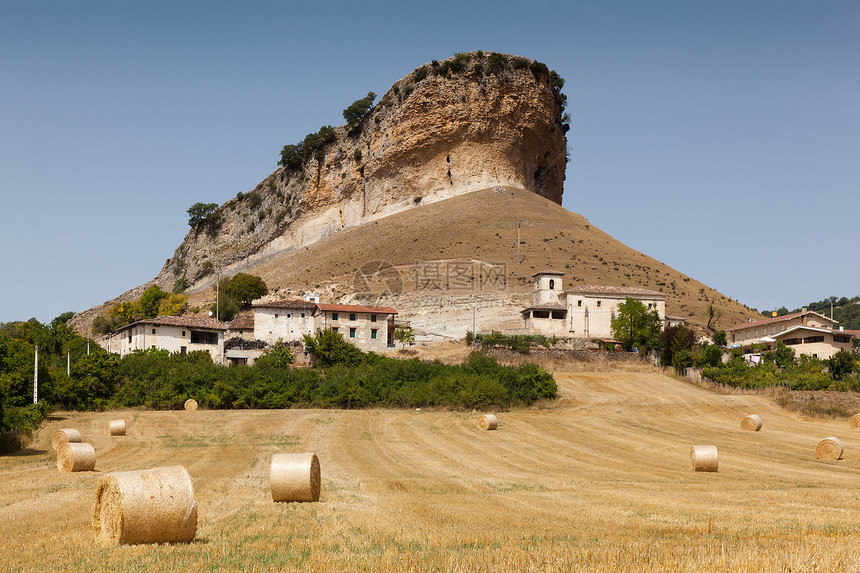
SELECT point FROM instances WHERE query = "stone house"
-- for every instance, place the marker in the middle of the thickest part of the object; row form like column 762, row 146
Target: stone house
column 368, row 327
column 180, row 334
column 585, row 311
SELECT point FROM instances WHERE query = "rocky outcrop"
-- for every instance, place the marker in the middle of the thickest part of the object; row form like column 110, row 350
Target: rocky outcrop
column 448, row 128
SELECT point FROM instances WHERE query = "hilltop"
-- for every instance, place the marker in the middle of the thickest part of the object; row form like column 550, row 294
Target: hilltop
column 417, row 198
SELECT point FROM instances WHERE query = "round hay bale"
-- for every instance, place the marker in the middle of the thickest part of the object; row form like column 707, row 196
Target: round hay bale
column 65, row 436
column 855, row 421
column 751, row 423
column 116, row 428
column 191, row 404
column 488, row 422
column 147, row 506
column 295, row 477
column 75, row 457
column 829, row 449
column 704, row 459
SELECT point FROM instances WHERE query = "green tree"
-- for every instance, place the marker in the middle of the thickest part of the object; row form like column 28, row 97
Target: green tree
column 150, row 300
column 404, row 335
column 635, row 326
column 358, row 110
column 330, row 349
column 244, row 288
column 841, row 364
column 200, row 212
column 720, row 338
column 226, row 309
column 279, row 357
column 63, row 318
column 675, row 339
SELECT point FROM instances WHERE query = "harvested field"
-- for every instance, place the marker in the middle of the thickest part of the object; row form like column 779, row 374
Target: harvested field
column 599, row 480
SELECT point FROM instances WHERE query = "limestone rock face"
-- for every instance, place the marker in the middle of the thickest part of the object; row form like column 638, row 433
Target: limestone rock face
column 436, row 134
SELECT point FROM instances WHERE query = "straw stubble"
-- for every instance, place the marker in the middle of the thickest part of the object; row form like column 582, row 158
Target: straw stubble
column 147, row 506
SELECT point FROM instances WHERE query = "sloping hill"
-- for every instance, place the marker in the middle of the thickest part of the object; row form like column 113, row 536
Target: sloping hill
column 478, row 227
column 598, row 481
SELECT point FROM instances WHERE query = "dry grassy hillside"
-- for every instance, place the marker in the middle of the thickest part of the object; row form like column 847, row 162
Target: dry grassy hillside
column 598, row 481
column 481, row 226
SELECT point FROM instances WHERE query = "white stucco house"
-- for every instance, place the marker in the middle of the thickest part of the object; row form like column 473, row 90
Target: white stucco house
column 806, row 332
column 585, row 311
column 180, row 334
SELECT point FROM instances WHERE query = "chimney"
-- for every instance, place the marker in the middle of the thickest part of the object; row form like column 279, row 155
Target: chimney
column 841, row 329
column 804, row 310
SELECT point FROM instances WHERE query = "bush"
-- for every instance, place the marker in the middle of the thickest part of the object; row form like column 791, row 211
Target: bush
column 200, row 213
column 358, row 110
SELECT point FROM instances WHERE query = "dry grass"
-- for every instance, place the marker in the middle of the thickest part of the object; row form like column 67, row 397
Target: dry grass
column 598, row 481
column 482, row 225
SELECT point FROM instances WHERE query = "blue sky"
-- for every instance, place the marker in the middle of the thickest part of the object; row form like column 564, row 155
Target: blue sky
column 721, row 138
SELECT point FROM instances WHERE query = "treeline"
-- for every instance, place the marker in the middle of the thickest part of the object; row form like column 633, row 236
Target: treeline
column 845, row 310
column 782, row 367
column 344, row 377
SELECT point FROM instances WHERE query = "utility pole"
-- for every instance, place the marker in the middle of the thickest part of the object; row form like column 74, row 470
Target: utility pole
column 88, row 346
column 475, row 315
column 68, row 362
column 36, row 378
column 218, row 294
column 519, row 221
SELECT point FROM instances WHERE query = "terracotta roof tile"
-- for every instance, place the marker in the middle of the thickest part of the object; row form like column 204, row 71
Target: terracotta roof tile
column 777, row 320
column 296, row 303
column 549, row 272
column 610, row 290
column 186, row 321
column 356, row 308
column 243, row 321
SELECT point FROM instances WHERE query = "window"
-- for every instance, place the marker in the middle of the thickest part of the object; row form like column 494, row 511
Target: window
column 352, row 332
column 811, row 339
column 183, row 350
column 183, row 333
column 650, row 306
column 153, row 331
column 373, row 333
column 335, row 329
column 841, row 338
column 289, row 315
column 303, row 315
column 598, row 304
column 551, row 284
column 352, row 316
column 276, row 315
column 198, row 337
column 791, row 341
column 372, row 318
column 129, row 337
column 579, row 303
column 153, row 347
column 334, row 316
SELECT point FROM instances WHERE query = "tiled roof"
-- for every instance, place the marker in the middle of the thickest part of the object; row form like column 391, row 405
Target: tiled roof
column 545, row 307
column 549, row 272
column 356, row 308
column 776, row 320
column 296, row 303
column 610, row 290
column 186, row 321
column 243, row 321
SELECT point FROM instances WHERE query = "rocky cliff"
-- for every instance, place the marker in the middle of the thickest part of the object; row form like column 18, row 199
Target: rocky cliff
column 474, row 121
column 437, row 133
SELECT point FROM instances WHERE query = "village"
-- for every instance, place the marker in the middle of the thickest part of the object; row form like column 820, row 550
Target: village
column 583, row 313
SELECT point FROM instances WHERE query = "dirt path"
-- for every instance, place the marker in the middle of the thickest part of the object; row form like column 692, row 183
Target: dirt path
column 600, row 479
